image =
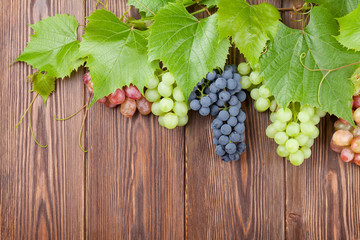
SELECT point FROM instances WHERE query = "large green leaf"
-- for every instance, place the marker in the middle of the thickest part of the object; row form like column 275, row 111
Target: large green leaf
column 150, row 7
column 189, row 47
column 338, row 8
column 289, row 81
column 54, row 46
column 117, row 54
column 350, row 30
column 43, row 84
column 249, row 26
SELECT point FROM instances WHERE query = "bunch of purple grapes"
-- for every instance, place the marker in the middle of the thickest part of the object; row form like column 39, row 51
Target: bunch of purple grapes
column 220, row 95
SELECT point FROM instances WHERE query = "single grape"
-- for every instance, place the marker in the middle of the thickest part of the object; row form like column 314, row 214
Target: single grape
column 225, row 158
column 220, row 103
column 342, row 138
column 216, row 133
column 245, row 82
column 244, row 68
column 280, row 126
column 132, row 92
column 180, row 109
column 234, row 111
column 164, row 89
column 271, row 131
column 168, row 79
column 219, row 150
column 102, row 100
column 302, row 139
column 255, row 78
column 308, row 128
column 241, row 96
column 355, row 131
column 232, row 121
column 237, row 77
column 128, row 107
column 281, row 138
column 171, row 120
column 338, row 125
column 214, row 110
column 195, row 105
column 240, row 128
column 242, row 116
column 234, row 157
column 335, row 147
column 357, row 159
column 227, row 74
column 306, row 151
column 231, row 84
column 233, row 100
column 293, row 129
column 223, row 115
column 292, row 145
column 281, row 151
column 178, row 95
column 356, row 115
column 241, row 147
column 230, row 148
column 226, row 129
column 109, row 104
column 143, row 106
column 220, row 83
column 297, row 158
column 224, row 96
column 205, row 101
column 211, row 76
column 310, row 142
column 303, row 116
column 262, row 104
column 152, row 95
column 355, row 145
column 152, row 83
column 217, row 123
column 264, row 92
column 213, row 88
column 309, row 110
column 213, row 97
column 356, row 100
column 118, row 97
column 284, row 115
column 155, row 109
column 315, row 119
column 254, row 94
column 347, row 155
column 223, row 140
column 166, row 104
column 161, row 120
column 235, row 137
column 315, row 133
column 204, row 111
column 273, row 117
column 320, row 113
column 273, row 105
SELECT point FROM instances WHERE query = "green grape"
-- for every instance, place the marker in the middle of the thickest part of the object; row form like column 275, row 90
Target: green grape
column 273, row 105
column 284, row 115
column 245, row 82
column 171, row 120
column 308, row 128
column 273, row 117
column 292, row 145
column 303, row 116
column 244, row 68
column 257, row 67
column 302, row 139
column 183, row 120
column 152, row 83
column 306, row 151
column 178, row 95
column 293, row 129
column 310, row 143
column 281, row 151
column 271, row 131
column 164, row 89
column 315, row 119
column 315, row 133
column 281, row 138
column 152, row 95
column 161, row 120
column 168, row 79
column 180, row 109
column 155, row 109
column 255, row 78
column 262, row 104
column 166, row 104
column 254, row 94
column 280, row 126
column 264, row 92
column 297, row 158
column 309, row 110
column 320, row 113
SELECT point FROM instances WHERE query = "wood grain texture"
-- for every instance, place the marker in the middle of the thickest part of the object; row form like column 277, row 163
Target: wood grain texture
column 39, row 199
column 238, row 200
column 322, row 195
column 135, row 173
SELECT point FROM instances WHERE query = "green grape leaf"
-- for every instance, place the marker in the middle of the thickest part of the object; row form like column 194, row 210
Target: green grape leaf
column 210, row 3
column 54, row 46
column 189, row 47
column 350, row 30
column 338, row 8
column 289, row 81
column 250, row 27
column 150, row 7
column 117, row 54
column 43, row 84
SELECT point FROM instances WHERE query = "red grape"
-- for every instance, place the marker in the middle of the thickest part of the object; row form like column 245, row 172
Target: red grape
column 90, row 86
column 86, row 78
column 356, row 115
column 144, row 106
column 109, row 104
column 118, row 97
column 356, row 102
column 102, row 100
column 357, row 159
column 342, row 138
column 128, row 107
column 355, row 145
column 132, row 92
column 339, row 125
column 335, row 147
column 356, row 131
column 347, row 155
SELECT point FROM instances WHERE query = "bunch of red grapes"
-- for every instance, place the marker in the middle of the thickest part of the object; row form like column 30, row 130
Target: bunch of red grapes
column 128, row 97
column 346, row 139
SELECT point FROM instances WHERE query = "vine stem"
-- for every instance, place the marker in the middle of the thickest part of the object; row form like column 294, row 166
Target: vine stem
column 32, row 132
column 303, row 55
column 125, row 13
column 22, row 117
column 83, row 124
column 71, row 116
column 200, row 11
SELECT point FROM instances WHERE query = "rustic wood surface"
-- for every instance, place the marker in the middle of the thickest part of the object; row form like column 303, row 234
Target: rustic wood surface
column 141, row 181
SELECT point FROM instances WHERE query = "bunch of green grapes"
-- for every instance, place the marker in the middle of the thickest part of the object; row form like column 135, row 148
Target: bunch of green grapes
column 168, row 101
column 294, row 130
column 253, row 82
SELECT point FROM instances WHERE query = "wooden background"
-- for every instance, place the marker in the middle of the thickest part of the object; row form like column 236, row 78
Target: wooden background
column 141, row 181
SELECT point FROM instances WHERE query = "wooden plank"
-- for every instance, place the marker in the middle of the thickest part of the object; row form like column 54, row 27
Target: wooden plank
column 41, row 189
column 238, row 200
column 322, row 195
column 135, row 173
